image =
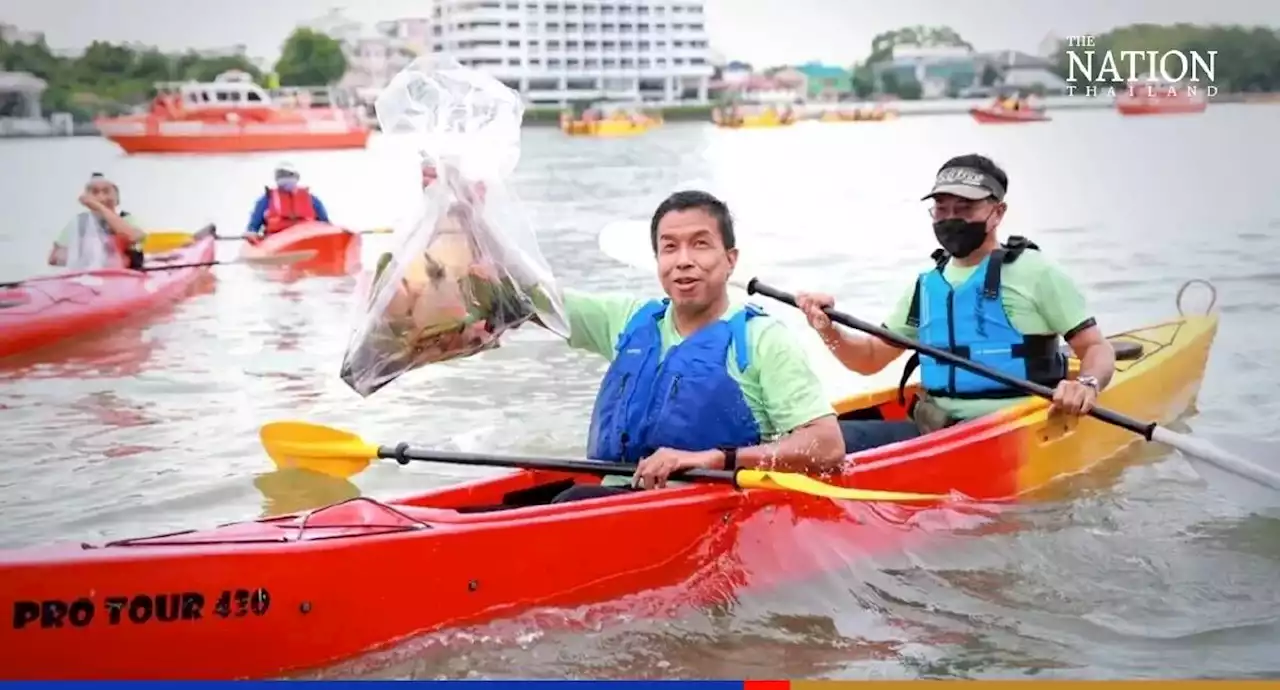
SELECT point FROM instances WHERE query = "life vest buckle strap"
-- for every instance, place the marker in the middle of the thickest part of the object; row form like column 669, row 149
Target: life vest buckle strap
column 912, row 363
column 913, row 311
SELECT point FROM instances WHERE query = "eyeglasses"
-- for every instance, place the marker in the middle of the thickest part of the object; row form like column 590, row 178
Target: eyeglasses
column 959, row 209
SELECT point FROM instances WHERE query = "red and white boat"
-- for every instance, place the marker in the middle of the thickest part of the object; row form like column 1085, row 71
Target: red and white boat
column 1157, row 97
column 988, row 115
column 231, row 114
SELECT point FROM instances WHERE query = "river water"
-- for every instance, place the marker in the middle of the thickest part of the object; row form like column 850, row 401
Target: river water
column 1144, row 573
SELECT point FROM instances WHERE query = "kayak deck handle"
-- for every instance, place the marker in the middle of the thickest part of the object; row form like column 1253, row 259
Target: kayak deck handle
column 1213, row 295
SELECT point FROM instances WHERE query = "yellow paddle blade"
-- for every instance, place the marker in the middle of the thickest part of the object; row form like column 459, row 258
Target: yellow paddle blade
column 799, row 483
column 167, row 241
column 317, row 448
column 378, row 231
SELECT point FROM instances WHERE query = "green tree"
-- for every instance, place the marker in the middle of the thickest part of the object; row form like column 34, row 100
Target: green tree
column 206, row 69
column 310, row 58
column 889, row 82
column 108, row 78
column 990, row 75
column 882, row 44
column 909, row 90
column 103, row 59
column 863, row 81
column 152, row 66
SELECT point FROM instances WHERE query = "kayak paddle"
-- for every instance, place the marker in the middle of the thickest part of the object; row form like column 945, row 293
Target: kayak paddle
column 342, row 454
column 1194, row 448
column 159, row 242
column 281, row 259
column 627, row 243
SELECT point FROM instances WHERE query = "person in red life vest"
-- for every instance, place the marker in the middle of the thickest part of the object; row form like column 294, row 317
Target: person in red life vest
column 101, row 236
column 284, row 206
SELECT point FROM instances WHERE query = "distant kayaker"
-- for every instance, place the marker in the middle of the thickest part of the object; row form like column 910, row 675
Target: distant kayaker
column 1005, row 306
column 101, row 236
column 694, row 381
column 285, row 205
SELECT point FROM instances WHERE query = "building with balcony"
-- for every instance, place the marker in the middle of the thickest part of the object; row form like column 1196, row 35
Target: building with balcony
column 826, row 83
column 554, row 52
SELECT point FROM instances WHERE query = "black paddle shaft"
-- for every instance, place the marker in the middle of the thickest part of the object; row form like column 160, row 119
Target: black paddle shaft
column 170, row 267
column 404, row 454
column 1143, row 429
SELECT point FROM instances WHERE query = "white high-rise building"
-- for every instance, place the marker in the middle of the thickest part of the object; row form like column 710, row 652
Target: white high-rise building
column 556, row 51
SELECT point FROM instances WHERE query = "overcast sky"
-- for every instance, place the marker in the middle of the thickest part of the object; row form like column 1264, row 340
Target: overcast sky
column 760, row 31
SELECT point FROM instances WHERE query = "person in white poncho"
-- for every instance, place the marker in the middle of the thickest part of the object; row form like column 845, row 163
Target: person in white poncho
column 100, row 237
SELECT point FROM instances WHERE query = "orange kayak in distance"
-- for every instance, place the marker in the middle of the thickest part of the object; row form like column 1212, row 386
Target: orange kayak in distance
column 337, row 249
column 42, row 312
column 283, row 595
column 998, row 116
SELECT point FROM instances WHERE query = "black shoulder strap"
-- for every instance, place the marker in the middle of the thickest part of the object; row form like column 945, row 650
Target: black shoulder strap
column 940, row 257
column 1006, row 254
column 991, row 286
column 913, row 312
column 1016, row 245
column 912, row 362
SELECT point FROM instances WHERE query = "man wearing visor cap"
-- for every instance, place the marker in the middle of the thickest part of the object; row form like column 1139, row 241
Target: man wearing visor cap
column 284, row 206
column 1005, row 306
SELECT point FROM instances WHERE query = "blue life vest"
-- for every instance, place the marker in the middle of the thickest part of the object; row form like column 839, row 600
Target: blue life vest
column 687, row 400
column 969, row 320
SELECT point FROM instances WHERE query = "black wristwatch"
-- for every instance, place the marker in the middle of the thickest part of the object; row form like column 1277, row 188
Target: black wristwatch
column 730, row 458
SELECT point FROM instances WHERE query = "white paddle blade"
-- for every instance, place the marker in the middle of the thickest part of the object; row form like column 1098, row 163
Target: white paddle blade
column 280, row 259
column 627, row 242
column 1245, row 481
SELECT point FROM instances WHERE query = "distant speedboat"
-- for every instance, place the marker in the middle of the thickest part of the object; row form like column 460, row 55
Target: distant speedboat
column 231, row 115
column 1157, row 97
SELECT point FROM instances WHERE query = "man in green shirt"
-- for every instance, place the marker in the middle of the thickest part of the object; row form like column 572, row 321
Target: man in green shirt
column 696, row 382
column 1003, row 306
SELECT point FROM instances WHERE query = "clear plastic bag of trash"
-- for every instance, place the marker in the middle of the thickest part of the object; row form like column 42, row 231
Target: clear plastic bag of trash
column 469, row 268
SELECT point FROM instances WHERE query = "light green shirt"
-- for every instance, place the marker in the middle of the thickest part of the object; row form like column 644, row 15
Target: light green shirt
column 781, row 389
column 68, row 234
column 1038, row 297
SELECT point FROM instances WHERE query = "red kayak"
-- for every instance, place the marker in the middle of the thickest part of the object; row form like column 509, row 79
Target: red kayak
column 1157, row 105
column 999, row 116
column 337, row 249
column 40, row 312
column 299, row 592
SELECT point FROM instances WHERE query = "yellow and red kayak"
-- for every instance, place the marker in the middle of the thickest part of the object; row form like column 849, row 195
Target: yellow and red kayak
column 277, row 596
column 40, row 312
column 337, row 249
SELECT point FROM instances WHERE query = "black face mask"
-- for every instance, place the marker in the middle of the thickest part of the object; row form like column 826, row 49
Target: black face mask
column 960, row 237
